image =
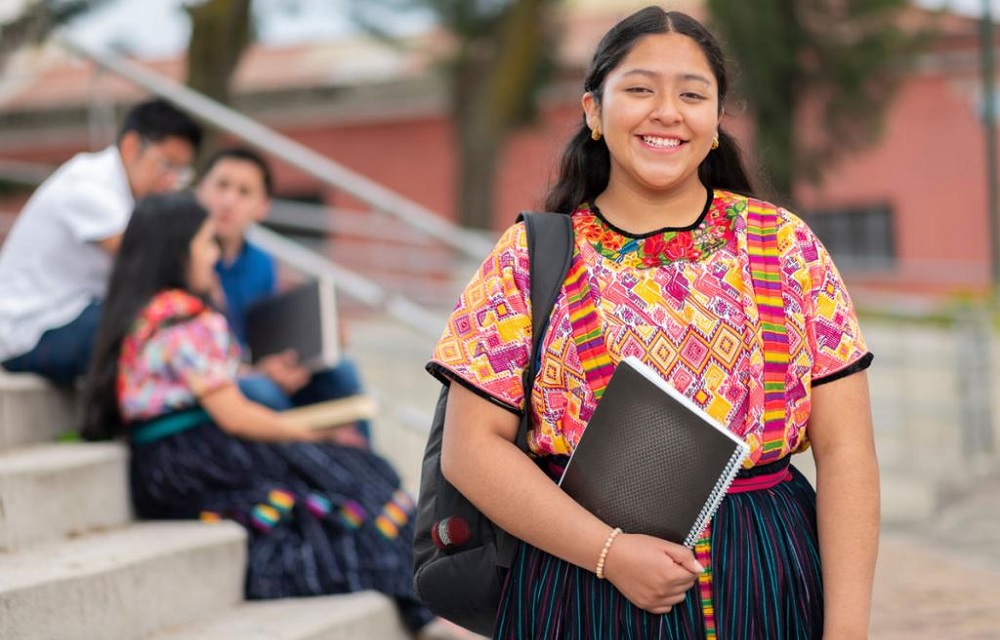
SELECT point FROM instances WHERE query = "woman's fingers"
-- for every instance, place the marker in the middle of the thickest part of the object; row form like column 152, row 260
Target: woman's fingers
column 642, row 568
column 684, row 557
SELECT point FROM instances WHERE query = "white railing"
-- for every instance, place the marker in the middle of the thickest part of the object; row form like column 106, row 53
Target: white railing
column 349, row 282
column 294, row 153
column 468, row 244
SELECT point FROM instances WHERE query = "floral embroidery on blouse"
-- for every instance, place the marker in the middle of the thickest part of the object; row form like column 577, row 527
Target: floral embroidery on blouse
column 178, row 350
column 714, row 231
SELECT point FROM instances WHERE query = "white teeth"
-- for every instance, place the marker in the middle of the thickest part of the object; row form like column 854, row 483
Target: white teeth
column 662, row 142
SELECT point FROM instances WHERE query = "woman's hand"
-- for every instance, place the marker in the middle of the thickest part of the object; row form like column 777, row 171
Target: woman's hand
column 345, row 436
column 652, row 573
column 284, row 369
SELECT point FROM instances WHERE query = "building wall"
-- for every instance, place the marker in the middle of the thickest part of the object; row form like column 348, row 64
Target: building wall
column 416, row 158
column 929, row 167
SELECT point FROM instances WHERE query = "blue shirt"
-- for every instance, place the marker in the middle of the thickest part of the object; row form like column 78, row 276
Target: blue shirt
column 249, row 278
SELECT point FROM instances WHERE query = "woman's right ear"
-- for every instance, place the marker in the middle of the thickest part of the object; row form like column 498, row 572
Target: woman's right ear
column 592, row 110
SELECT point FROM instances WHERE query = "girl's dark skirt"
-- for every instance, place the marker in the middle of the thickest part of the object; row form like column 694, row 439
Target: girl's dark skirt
column 766, row 582
column 321, row 518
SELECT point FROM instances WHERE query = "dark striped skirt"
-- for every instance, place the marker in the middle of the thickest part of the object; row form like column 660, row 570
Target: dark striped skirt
column 321, row 519
column 765, row 582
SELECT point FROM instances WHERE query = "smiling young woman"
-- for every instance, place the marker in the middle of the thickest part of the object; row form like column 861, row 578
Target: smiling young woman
column 659, row 113
column 736, row 304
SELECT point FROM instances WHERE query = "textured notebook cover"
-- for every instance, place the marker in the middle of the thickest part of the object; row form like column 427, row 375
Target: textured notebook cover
column 650, row 461
column 303, row 319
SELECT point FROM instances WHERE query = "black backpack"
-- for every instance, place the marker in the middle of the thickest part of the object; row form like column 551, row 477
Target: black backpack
column 460, row 556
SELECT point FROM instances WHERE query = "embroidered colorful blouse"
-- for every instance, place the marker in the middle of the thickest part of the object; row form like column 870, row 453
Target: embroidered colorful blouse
column 681, row 300
column 178, row 350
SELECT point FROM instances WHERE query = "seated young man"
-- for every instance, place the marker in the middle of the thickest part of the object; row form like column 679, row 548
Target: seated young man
column 55, row 264
column 236, row 189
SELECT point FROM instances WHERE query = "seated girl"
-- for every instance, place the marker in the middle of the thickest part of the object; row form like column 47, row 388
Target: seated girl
column 322, row 516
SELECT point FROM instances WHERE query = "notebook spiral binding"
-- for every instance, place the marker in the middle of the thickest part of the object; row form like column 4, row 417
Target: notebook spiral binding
column 715, row 498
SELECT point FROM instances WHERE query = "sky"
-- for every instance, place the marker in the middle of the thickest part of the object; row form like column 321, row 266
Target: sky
column 154, row 28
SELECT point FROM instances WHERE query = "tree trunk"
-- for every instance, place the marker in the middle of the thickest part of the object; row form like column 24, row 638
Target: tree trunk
column 220, row 33
column 493, row 88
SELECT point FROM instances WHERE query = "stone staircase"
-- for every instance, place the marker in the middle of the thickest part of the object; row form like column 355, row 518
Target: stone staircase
column 76, row 565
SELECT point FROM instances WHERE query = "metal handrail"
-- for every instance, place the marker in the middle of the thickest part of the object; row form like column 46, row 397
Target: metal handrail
column 294, row 153
column 327, row 171
column 353, row 284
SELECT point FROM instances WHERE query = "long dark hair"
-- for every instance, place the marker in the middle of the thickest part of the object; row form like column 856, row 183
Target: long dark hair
column 586, row 165
column 153, row 257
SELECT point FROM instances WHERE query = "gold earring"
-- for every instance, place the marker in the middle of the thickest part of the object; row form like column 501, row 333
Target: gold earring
column 595, row 134
column 715, row 143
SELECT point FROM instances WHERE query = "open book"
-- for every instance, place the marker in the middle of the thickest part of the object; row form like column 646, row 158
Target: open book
column 333, row 413
column 303, row 319
column 650, row 460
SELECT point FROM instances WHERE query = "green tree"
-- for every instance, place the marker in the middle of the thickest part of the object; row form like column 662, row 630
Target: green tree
column 221, row 30
column 502, row 57
column 36, row 21
column 845, row 57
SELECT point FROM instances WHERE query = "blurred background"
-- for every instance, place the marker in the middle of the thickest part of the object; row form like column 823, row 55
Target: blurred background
column 406, row 134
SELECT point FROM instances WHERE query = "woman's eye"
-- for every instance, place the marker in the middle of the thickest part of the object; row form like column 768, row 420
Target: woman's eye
column 638, row 90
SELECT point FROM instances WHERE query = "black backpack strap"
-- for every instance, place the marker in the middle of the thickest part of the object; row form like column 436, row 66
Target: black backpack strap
column 550, row 251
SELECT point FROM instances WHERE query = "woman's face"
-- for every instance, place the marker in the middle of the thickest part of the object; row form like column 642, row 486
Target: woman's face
column 204, row 253
column 659, row 115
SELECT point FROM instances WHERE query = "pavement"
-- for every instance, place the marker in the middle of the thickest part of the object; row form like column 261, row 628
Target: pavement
column 928, row 591
column 941, row 579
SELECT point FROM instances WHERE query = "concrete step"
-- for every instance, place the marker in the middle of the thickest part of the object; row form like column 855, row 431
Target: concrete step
column 356, row 616
column 33, row 410
column 123, row 584
column 51, row 491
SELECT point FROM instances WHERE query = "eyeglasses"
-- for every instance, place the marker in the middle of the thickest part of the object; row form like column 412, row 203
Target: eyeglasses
column 183, row 174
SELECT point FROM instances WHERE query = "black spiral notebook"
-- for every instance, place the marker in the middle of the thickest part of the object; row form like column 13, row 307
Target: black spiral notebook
column 650, row 460
column 303, row 318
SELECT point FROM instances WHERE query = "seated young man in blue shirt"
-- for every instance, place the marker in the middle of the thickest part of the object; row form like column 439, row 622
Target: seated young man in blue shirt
column 236, row 188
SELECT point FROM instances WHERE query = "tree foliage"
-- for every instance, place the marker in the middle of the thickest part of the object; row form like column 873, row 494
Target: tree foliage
column 36, row 21
column 843, row 57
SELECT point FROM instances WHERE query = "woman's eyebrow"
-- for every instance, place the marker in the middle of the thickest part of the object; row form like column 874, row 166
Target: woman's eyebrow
column 649, row 73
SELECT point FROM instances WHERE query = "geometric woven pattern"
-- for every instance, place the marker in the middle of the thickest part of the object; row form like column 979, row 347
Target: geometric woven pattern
column 692, row 317
column 166, row 364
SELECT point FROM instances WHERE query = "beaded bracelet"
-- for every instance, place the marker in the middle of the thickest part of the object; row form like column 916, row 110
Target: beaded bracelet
column 604, row 552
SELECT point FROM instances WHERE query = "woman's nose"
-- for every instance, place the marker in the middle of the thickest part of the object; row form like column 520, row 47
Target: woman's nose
column 666, row 110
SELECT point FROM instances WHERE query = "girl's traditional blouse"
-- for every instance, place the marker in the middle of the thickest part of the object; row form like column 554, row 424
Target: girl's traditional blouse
column 178, row 350
column 679, row 299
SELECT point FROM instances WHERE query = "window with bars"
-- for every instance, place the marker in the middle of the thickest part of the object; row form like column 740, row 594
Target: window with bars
column 858, row 238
